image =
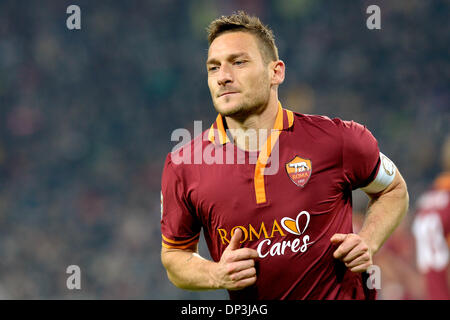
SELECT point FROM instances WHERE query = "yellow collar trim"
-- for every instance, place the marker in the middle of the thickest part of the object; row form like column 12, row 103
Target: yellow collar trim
column 280, row 124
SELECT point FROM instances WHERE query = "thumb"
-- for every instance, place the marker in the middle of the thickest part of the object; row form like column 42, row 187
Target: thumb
column 235, row 241
column 338, row 238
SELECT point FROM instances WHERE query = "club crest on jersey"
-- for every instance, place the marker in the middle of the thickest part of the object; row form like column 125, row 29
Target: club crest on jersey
column 299, row 170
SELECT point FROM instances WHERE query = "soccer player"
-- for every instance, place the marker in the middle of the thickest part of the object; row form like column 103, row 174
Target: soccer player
column 273, row 190
column 431, row 228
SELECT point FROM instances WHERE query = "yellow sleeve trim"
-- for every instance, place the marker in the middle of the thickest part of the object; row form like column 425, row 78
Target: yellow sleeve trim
column 181, row 242
column 165, row 245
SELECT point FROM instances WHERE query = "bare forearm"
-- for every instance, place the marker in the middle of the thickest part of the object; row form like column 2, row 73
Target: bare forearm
column 235, row 270
column 384, row 214
column 188, row 270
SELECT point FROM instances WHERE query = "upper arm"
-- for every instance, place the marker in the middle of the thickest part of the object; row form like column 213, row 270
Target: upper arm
column 386, row 176
column 180, row 226
column 398, row 184
column 360, row 154
column 388, row 179
column 364, row 166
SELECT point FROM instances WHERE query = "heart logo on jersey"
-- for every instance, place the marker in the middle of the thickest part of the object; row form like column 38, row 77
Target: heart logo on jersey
column 299, row 170
column 293, row 226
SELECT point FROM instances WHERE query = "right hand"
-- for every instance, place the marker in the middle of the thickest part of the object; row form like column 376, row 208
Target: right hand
column 236, row 268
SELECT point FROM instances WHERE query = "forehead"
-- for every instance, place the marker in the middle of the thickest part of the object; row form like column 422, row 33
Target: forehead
column 233, row 42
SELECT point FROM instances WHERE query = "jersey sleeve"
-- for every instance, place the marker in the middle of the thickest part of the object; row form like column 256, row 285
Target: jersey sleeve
column 360, row 154
column 180, row 227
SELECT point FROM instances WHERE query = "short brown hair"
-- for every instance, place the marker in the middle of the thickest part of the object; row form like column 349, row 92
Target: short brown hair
column 241, row 21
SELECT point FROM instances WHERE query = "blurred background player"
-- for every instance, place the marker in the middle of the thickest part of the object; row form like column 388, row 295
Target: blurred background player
column 431, row 228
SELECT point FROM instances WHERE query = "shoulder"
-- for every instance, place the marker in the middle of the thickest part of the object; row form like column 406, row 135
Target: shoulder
column 325, row 121
column 312, row 119
column 326, row 126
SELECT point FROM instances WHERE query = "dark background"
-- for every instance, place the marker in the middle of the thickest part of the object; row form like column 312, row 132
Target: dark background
column 86, row 117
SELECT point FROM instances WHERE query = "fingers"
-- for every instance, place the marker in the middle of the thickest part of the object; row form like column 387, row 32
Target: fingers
column 350, row 241
column 359, row 264
column 237, row 274
column 235, row 253
column 242, row 254
column 356, row 252
column 353, row 251
column 235, row 241
column 240, row 265
column 243, row 283
column 338, row 238
column 236, row 268
column 243, row 274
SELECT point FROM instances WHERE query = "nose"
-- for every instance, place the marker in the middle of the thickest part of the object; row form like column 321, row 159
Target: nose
column 225, row 75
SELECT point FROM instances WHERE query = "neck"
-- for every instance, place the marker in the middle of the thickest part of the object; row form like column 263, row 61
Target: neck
column 250, row 132
column 263, row 118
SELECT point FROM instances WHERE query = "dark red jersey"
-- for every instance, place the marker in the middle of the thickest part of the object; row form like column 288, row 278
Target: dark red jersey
column 431, row 229
column 289, row 200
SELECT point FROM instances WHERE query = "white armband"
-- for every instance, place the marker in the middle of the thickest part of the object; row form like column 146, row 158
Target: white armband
column 384, row 178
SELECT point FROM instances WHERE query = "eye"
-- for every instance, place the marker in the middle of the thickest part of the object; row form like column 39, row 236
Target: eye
column 213, row 68
column 239, row 62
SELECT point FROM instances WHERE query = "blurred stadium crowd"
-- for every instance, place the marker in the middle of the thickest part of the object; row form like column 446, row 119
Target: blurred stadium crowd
column 86, row 118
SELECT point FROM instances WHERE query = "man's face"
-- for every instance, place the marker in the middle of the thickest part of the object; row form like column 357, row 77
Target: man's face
column 238, row 78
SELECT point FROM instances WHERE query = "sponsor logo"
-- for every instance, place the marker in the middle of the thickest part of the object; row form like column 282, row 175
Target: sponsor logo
column 293, row 226
column 265, row 234
column 299, row 170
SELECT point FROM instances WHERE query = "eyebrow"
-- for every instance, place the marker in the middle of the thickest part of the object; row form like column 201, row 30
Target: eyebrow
column 229, row 58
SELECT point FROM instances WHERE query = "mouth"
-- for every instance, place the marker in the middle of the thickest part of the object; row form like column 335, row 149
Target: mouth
column 227, row 93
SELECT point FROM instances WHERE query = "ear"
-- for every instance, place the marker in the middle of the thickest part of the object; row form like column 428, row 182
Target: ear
column 277, row 69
